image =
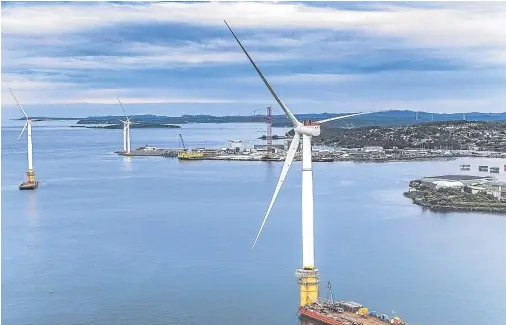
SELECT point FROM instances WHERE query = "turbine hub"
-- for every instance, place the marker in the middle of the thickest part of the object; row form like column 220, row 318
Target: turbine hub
column 308, row 128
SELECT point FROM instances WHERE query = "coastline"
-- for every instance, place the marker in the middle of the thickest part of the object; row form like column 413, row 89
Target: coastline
column 457, row 208
column 467, row 194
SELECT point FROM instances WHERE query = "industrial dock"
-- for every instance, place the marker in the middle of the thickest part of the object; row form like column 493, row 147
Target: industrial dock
column 149, row 151
column 237, row 151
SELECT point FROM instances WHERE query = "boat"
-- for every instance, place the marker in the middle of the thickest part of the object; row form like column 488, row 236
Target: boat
column 494, row 170
column 483, row 168
column 185, row 155
column 323, row 159
column 465, row 167
column 343, row 313
column 271, row 157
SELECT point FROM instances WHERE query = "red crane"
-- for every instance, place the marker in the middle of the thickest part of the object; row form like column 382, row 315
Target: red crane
column 268, row 120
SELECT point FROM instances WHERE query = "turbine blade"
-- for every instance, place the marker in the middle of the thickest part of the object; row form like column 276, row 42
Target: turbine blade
column 15, row 143
column 21, row 108
column 288, row 162
column 343, row 116
column 290, row 115
column 119, row 119
column 123, row 109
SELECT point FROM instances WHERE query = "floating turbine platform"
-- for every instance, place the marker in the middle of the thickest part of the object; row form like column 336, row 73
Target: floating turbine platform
column 29, row 185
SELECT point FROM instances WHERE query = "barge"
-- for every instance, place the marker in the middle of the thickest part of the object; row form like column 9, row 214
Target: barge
column 190, row 155
column 343, row 313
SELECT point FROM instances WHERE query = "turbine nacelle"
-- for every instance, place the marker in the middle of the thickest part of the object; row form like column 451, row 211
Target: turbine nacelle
column 308, row 128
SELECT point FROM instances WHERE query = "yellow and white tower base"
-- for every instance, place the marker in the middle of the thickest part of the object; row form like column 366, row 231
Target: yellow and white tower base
column 31, row 183
column 307, row 279
column 31, row 176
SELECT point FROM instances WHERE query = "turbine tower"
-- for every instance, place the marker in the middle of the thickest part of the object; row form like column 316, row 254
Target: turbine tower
column 307, row 276
column 126, row 130
column 31, row 183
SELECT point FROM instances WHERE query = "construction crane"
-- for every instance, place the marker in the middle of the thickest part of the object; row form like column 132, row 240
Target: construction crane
column 329, row 292
column 182, row 142
column 268, row 120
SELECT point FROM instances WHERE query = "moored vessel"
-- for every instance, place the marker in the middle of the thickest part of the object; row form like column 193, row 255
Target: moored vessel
column 344, row 313
column 185, row 155
column 323, row 159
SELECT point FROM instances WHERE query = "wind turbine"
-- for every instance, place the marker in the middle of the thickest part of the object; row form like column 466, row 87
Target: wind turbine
column 307, row 276
column 31, row 183
column 126, row 130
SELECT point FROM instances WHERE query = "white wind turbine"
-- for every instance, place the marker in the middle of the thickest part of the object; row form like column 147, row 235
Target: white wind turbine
column 31, row 183
column 126, row 130
column 308, row 275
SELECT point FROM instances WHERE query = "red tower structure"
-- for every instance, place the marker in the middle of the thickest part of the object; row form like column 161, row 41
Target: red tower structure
column 268, row 120
column 269, row 128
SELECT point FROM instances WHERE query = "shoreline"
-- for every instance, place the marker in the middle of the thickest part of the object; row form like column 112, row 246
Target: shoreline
column 459, row 193
column 456, row 208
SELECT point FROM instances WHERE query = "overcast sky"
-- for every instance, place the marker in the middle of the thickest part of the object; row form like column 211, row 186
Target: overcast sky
column 174, row 58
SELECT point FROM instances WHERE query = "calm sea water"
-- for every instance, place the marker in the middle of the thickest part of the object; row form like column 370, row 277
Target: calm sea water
column 149, row 240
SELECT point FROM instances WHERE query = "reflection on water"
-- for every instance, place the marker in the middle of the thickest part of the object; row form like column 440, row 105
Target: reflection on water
column 33, row 214
column 127, row 163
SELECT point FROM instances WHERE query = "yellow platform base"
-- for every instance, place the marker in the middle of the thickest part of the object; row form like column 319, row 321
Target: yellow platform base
column 31, row 176
column 308, row 281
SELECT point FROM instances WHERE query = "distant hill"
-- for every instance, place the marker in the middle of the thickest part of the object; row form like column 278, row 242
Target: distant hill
column 389, row 118
column 132, row 126
column 44, row 118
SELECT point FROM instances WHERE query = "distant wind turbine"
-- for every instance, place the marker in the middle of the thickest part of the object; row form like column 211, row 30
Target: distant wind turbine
column 308, row 275
column 31, row 183
column 126, row 130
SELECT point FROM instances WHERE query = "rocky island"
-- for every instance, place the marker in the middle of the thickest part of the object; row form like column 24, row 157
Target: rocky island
column 459, row 193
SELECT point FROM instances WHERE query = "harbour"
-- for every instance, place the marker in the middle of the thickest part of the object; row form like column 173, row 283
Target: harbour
column 328, row 154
